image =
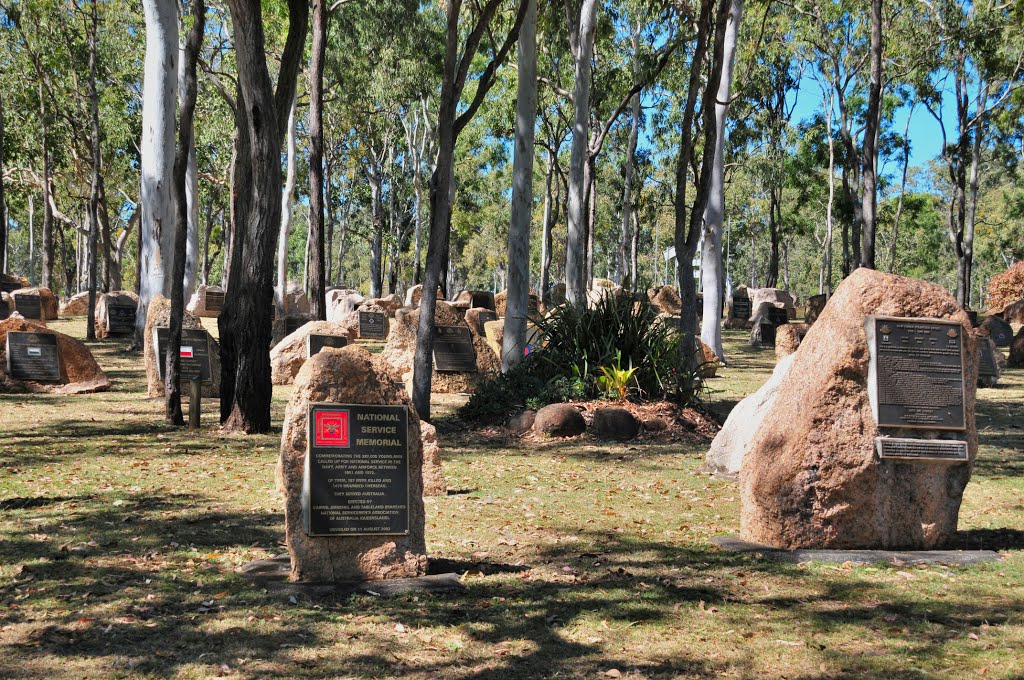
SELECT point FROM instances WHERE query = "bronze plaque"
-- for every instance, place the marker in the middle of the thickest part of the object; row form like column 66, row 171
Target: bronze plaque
column 925, row 450
column 316, row 342
column 29, row 306
column 741, row 308
column 453, row 350
column 916, row 377
column 778, row 316
column 33, row 356
column 371, row 325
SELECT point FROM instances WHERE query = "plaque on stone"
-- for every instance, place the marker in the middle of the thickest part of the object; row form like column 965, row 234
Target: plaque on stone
column 293, row 323
column 195, row 352
column 768, row 332
column 33, row 356
column 29, row 306
column 1000, row 331
column 741, row 308
column 214, row 300
column 916, row 373
column 987, row 367
column 778, row 315
column 316, row 342
column 120, row 318
column 481, row 320
column 8, row 286
column 356, row 476
column 482, row 299
column 371, row 325
column 924, row 450
column 453, row 350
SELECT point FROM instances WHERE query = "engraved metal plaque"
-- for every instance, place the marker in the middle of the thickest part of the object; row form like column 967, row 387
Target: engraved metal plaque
column 925, row 450
column 916, row 374
column 8, row 286
column 120, row 318
column 741, row 308
column 356, row 475
column 482, row 318
column 195, row 352
column 453, row 350
column 33, row 356
column 293, row 323
column 371, row 325
column 29, row 306
column 778, row 315
column 316, row 342
column 214, row 300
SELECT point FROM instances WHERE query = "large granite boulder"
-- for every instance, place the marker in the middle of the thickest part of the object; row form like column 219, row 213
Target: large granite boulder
column 389, row 303
column 415, row 294
column 159, row 314
column 614, row 422
column 47, row 302
column 76, row 305
column 732, row 442
column 341, row 302
column 287, row 356
column 347, row 376
column 501, row 302
column 1017, row 351
column 79, row 372
column 788, row 338
column 776, row 296
column 559, row 420
column 295, row 301
column 103, row 307
column 665, row 300
column 811, row 477
column 198, row 305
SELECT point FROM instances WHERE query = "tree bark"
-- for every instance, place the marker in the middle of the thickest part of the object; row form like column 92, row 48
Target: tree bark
column 712, row 276
column 286, row 215
column 97, row 161
column 184, row 201
column 626, row 274
column 576, row 242
column 157, row 153
column 317, row 283
column 514, row 340
column 545, row 240
column 44, row 138
column 869, row 159
column 3, row 200
column 376, row 180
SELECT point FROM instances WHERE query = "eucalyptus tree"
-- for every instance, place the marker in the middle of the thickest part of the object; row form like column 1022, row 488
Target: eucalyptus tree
column 317, row 279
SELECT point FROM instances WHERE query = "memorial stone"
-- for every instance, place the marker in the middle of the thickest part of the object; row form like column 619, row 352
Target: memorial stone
column 316, row 342
column 988, row 368
column 929, row 450
column 356, row 470
column 29, row 306
column 372, row 325
column 120, row 318
column 1000, row 331
column 33, row 356
column 195, row 353
column 482, row 318
column 453, row 350
column 741, row 308
column 778, row 316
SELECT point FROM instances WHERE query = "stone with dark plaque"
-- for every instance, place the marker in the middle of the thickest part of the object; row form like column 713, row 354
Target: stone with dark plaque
column 214, row 300
column 453, row 350
column 356, row 476
column 481, row 320
column 120, row 318
column 988, row 370
column 195, row 352
column 293, row 323
column 741, row 308
column 483, row 299
column 929, row 450
column 768, row 332
column 778, row 315
column 1000, row 331
column 9, row 286
column 33, row 356
column 371, row 325
column 916, row 373
column 316, row 342
column 29, row 306
column 532, row 307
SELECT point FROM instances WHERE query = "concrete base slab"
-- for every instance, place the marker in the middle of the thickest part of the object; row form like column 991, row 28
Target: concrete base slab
column 273, row 574
column 951, row 557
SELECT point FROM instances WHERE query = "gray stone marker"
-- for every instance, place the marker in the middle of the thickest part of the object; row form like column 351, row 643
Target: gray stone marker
column 316, row 342
column 29, row 306
column 33, row 356
column 356, row 475
column 453, row 350
column 195, row 353
column 999, row 330
column 371, row 325
column 988, row 369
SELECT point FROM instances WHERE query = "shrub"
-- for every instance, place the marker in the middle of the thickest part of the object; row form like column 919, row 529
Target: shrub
column 1006, row 288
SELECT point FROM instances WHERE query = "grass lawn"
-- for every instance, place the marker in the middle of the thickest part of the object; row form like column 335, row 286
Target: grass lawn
column 120, row 538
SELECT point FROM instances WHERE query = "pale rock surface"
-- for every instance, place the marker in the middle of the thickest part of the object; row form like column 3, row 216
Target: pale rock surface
column 76, row 305
column 434, row 483
column 287, row 356
column 47, row 302
column 197, row 303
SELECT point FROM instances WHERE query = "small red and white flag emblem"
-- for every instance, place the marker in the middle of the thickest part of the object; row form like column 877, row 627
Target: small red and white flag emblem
column 331, row 428
column 186, row 351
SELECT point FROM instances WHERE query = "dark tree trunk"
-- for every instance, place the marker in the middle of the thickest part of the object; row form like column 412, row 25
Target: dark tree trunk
column 774, row 229
column 316, row 162
column 3, row 200
column 97, row 160
column 329, row 240
column 47, row 278
column 377, row 237
column 172, row 358
column 869, row 160
column 266, row 114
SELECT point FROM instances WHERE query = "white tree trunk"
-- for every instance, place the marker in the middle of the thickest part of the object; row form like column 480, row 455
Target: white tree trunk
column 514, row 341
column 191, row 197
column 286, row 218
column 159, row 104
column 576, row 243
column 712, row 273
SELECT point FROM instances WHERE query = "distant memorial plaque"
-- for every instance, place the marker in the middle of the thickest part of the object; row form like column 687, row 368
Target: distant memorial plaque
column 453, row 350
column 120, row 318
column 33, row 356
column 29, row 306
column 1000, row 331
column 778, row 315
column 292, row 324
column 768, row 332
column 741, row 308
column 928, row 450
column 195, row 352
column 214, row 300
column 316, row 342
column 371, row 325
column 8, row 286
column 356, row 477
column 483, row 299
column 987, row 367
column 916, row 376
column 481, row 320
